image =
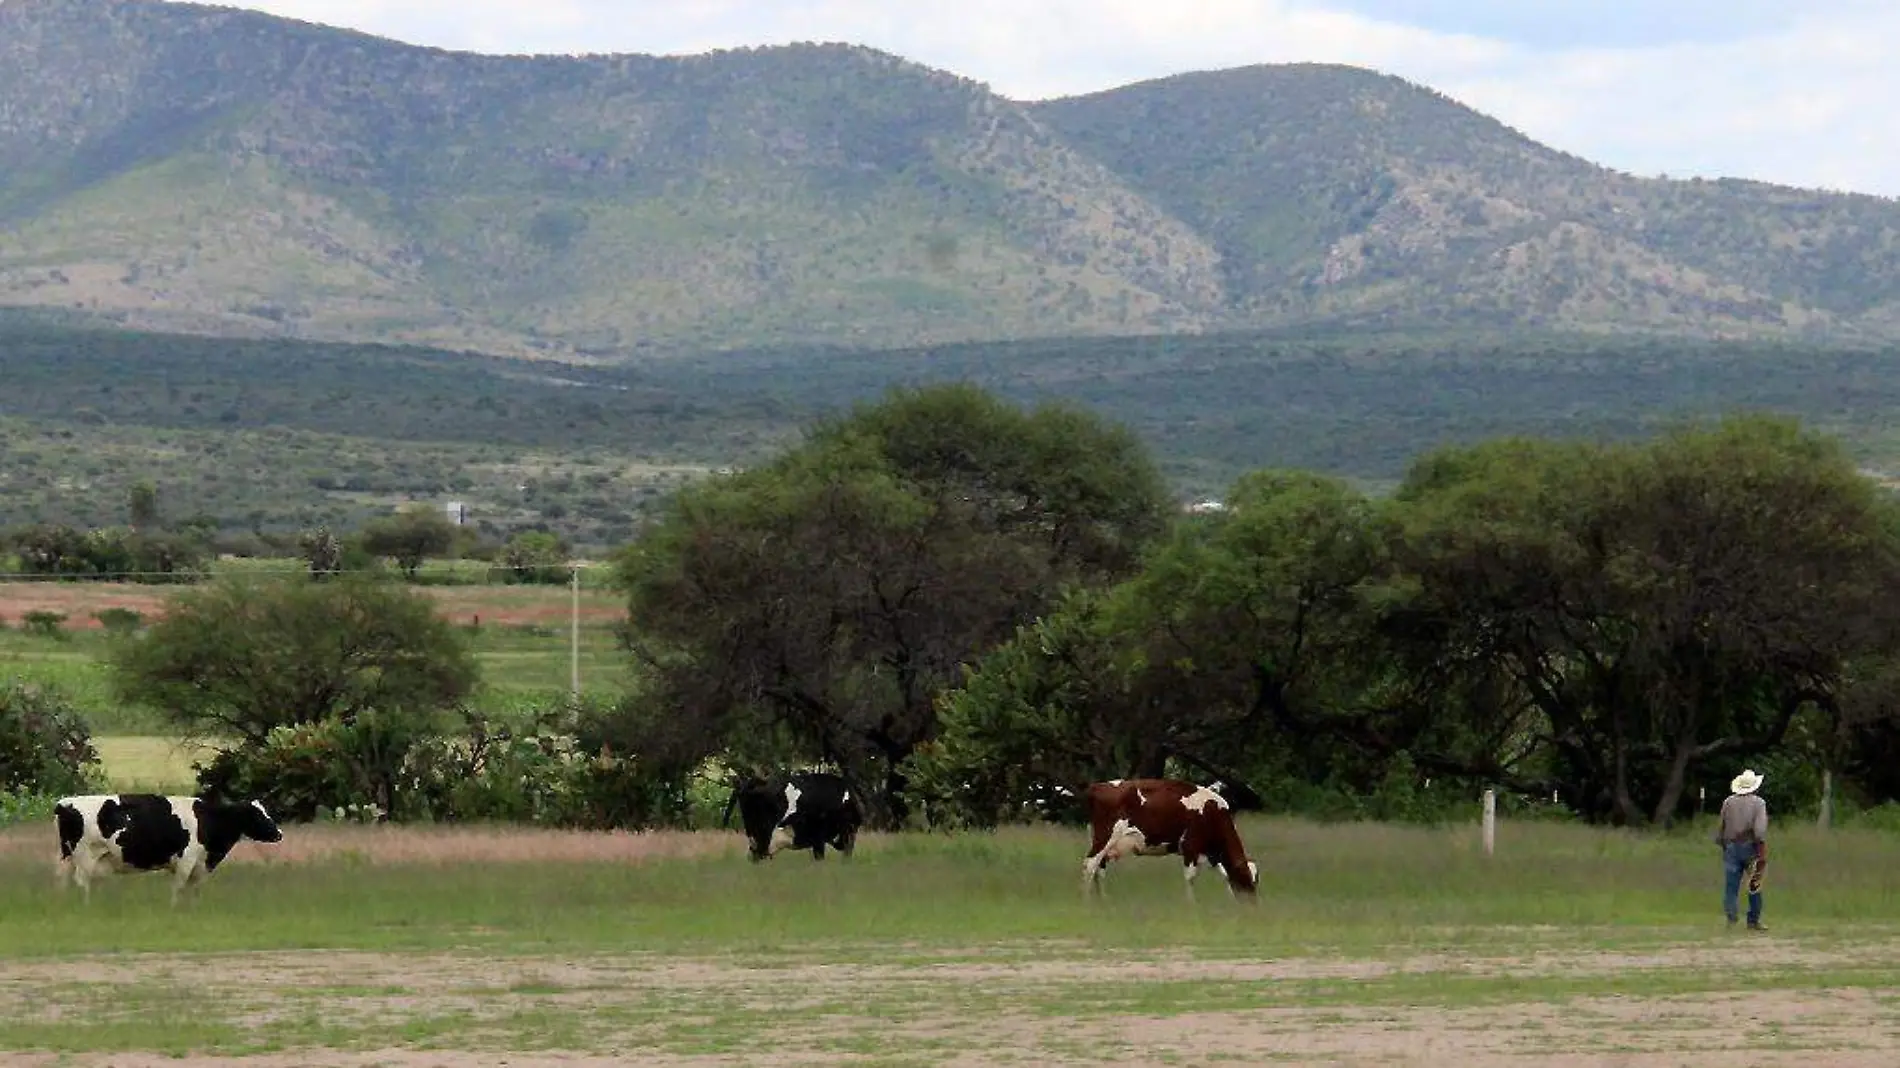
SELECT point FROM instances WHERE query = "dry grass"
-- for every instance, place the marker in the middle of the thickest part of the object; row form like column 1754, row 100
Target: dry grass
column 389, row 845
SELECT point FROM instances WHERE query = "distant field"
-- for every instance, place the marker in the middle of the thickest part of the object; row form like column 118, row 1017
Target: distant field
column 1369, row 944
column 159, row 765
column 542, row 606
column 522, row 644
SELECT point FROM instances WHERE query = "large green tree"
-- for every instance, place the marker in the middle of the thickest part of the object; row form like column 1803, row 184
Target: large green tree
column 410, row 537
column 822, row 601
column 1246, row 650
column 1658, row 606
column 237, row 658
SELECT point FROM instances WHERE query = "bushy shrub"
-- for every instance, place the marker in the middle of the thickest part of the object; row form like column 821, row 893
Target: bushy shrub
column 483, row 773
column 25, row 806
column 295, row 772
column 43, row 623
column 478, row 772
column 45, row 745
column 118, row 620
column 1881, row 817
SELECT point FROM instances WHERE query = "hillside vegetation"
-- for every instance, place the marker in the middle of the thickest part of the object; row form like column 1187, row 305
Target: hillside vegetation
column 179, row 167
column 277, row 435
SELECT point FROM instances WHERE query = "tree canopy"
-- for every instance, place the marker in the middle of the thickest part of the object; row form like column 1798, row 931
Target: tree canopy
column 240, row 658
column 825, row 599
column 1604, row 622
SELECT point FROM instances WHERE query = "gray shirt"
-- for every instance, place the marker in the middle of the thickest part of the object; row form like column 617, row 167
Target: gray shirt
column 1744, row 819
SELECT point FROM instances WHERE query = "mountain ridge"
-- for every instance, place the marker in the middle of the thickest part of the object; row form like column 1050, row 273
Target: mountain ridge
column 217, row 170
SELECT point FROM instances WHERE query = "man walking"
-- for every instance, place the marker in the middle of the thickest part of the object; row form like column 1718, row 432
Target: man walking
column 1742, row 832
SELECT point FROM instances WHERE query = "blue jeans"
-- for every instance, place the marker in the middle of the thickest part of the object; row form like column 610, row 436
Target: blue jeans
column 1735, row 858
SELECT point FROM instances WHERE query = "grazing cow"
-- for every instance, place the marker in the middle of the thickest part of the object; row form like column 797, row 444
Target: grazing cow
column 807, row 810
column 1155, row 817
column 122, row 833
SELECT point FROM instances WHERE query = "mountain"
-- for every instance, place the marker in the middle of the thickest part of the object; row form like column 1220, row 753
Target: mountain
column 1334, row 194
column 213, row 170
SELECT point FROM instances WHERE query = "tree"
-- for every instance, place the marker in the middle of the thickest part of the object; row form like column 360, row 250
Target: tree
column 535, row 556
column 828, row 597
column 238, row 658
column 322, row 550
column 410, row 537
column 142, row 507
column 1245, row 645
column 1658, row 606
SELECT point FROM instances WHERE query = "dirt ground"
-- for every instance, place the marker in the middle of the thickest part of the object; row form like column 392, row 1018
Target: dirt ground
column 463, row 604
column 1849, row 1028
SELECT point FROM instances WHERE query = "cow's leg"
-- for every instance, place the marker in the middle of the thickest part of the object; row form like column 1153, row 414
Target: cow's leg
column 1109, row 848
column 1092, row 867
column 84, row 864
column 186, row 870
column 782, row 838
column 1094, row 860
column 818, row 851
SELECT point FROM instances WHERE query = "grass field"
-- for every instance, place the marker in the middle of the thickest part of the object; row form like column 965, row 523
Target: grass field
column 1369, row 945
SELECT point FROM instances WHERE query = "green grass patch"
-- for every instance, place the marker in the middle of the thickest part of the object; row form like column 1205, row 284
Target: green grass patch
column 149, row 763
column 927, row 947
column 1328, row 889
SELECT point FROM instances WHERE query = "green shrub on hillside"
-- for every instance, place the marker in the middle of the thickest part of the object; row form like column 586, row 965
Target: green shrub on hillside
column 45, row 746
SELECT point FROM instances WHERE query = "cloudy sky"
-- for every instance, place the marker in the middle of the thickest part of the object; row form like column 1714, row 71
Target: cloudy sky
column 1794, row 91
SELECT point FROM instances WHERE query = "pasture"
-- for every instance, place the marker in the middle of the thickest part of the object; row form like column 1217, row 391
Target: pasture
column 520, row 636
column 1370, row 944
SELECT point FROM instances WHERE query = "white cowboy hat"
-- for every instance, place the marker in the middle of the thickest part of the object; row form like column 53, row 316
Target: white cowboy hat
column 1745, row 783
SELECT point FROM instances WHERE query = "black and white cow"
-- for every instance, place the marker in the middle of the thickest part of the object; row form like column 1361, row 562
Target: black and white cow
column 122, row 833
column 806, row 810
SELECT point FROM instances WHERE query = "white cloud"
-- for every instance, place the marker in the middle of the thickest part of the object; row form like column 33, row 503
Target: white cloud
column 1800, row 100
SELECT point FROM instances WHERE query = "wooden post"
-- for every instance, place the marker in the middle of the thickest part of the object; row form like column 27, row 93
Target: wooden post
column 1490, row 820
column 1827, row 799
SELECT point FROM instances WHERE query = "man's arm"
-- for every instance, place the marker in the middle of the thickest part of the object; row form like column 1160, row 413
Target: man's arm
column 1761, row 820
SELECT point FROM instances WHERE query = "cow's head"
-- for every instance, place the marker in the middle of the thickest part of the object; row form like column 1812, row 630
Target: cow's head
column 1205, row 803
column 1244, row 877
column 257, row 823
column 760, row 806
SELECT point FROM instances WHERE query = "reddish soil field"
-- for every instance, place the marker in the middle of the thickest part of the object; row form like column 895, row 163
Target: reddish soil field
column 493, row 604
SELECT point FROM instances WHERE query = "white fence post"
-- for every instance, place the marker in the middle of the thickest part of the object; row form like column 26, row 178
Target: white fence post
column 1490, row 820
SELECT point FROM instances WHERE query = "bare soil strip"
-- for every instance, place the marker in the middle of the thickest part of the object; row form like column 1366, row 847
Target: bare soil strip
column 463, row 604
column 820, row 1013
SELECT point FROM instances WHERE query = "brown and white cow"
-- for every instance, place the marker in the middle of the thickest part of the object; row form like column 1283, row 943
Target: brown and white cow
column 1155, row 817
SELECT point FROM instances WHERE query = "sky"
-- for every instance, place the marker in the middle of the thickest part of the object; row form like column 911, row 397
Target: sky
column 1789, row 91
